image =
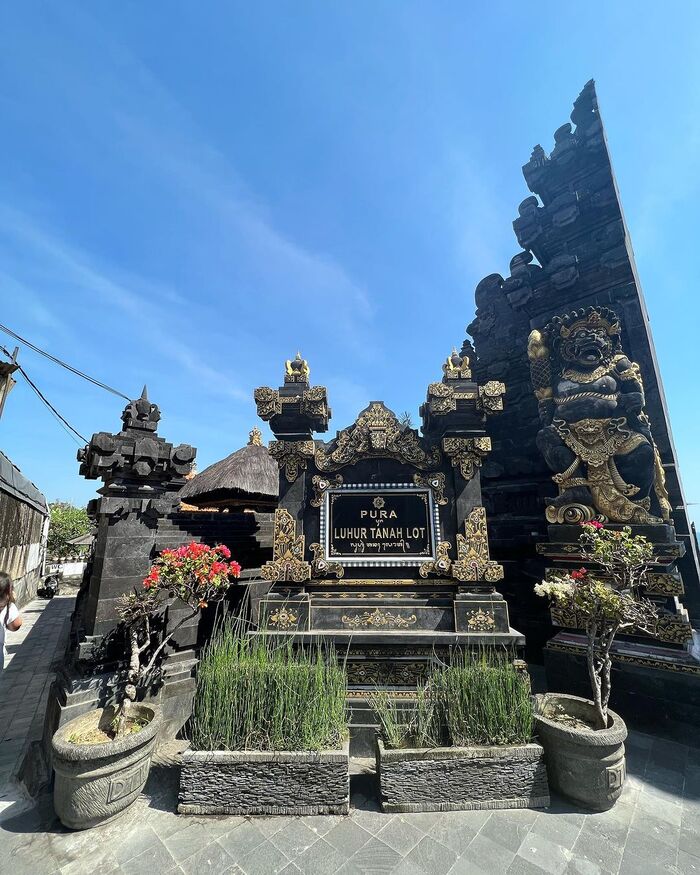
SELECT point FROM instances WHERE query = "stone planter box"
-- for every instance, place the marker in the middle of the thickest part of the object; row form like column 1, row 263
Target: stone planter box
column 462, row 778
column 265, row 782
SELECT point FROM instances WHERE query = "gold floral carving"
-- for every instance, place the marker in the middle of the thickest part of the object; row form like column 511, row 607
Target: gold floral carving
column 491, row 396
column 441, row 398
column 377, row 433
column 441, row 564
column 664, row 583
column 314, row 403
column 320, row 485
column 282, row 618
column 287, row 552
column 669, row 628
column 466, row 454
column 481, row 621
column 473, row 561
column 385, row 673
column 292, row 456
column 378, row 619
column 267, row 402
column 321, row 567
column 436, row 482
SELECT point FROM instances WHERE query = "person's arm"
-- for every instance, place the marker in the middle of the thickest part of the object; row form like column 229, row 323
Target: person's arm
column 14, row 618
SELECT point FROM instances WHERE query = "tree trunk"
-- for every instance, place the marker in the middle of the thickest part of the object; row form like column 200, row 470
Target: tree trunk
column 594, row 674
column 132, row 678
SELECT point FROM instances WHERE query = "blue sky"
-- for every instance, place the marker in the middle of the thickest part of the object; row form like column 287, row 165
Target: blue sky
column 194, row 191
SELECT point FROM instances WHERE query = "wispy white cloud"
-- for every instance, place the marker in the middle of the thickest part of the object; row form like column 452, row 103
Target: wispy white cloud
column 143, row 310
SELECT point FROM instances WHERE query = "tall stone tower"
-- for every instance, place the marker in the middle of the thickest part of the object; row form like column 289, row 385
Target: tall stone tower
column 575, row 254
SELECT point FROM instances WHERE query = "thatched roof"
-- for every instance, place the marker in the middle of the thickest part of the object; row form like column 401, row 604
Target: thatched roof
column 247, row 476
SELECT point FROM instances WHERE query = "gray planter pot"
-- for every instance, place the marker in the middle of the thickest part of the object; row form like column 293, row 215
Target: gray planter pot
column 585, row 765
column 97, row 782
column 265, row 782
column 462, row 778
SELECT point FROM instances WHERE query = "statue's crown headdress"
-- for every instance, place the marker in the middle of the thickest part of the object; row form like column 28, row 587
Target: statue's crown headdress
column 562, row 327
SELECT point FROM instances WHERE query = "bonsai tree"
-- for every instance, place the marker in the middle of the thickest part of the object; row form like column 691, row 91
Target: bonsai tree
column 195, row 574
column 606, row 601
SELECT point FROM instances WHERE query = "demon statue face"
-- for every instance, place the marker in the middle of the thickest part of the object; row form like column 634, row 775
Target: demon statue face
column 595, row 435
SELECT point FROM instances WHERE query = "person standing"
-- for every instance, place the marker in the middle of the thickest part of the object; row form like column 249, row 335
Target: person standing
column 10, row 617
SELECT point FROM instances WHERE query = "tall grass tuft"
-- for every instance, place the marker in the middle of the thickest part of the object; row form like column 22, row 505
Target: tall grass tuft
column 480, row 698
column 253, row 694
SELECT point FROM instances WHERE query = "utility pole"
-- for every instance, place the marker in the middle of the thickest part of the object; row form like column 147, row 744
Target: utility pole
column 7, row 382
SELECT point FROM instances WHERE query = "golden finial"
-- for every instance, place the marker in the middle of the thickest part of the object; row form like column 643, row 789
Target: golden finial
column 296, row 370
column 456, row 366
column 255, row 437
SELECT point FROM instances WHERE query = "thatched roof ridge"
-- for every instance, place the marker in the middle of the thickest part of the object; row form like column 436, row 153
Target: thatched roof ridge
column 249, row 471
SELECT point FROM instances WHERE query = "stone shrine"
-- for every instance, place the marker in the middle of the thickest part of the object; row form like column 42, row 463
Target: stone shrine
column 380, row 540
column 390, row 543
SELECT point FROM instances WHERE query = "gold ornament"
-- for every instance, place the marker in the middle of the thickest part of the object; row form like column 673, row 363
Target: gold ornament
column 287, row 563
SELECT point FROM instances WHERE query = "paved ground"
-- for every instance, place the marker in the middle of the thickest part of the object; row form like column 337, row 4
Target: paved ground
column 654, row 828
column 32, row 654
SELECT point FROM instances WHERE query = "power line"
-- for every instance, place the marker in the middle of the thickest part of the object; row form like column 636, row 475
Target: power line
column 63, row 364
column 64, row 422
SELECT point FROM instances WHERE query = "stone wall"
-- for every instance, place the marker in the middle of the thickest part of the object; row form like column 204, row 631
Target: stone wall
column 23, row 530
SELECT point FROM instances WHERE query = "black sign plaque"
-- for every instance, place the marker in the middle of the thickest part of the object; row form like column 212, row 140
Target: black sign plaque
column 395, row 526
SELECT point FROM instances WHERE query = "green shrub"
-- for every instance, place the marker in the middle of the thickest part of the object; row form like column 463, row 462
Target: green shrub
column 255, row 695
column 477, row 699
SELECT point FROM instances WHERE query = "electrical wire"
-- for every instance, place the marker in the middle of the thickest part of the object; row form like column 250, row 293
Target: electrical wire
column 62, row 363
column 64, row 422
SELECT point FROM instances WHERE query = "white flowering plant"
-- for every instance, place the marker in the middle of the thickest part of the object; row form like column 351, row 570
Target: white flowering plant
column 604, row 607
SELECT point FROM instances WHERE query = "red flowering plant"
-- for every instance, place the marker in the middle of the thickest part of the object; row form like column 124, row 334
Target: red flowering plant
column 605, row 601
column 195, row 574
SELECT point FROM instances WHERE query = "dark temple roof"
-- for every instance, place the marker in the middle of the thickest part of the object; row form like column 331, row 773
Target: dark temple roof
column 13, row 481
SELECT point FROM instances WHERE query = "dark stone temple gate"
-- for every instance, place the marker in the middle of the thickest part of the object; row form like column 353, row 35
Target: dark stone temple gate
column 391, row 543
column 380, row 541
column 576, row 254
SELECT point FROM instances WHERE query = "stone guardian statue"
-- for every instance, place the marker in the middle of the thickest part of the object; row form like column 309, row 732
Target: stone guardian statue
column 595, row 434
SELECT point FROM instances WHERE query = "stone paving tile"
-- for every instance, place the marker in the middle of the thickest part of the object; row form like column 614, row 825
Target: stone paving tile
column 688, row 864
column 648, row 847
column 507, row 830
column 400, row 835
column 243, row 839
column 632, row 864
column 594, row 849
column 206, row 861
column 456, row 829
column 546, row 854
column 431, row 856
column 187, row 841
column 153, row 859
column 266, row 859
column 295, row 838
column 654, row 827
column 521, row 866
column 689, row 842
column 484, row 855
column 374, row 857
column 320, row 859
